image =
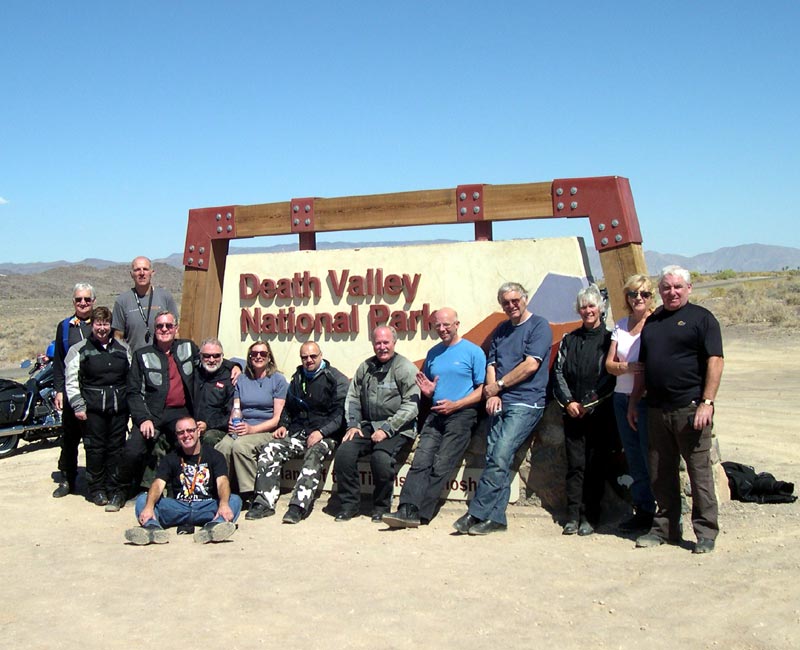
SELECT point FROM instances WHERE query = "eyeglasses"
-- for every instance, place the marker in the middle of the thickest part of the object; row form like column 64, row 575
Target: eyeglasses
column 211, row 356
column 644, row 294
column 165, row 326
column 181, row 431
column 306, row 357
column 82, row 299
column 511, row 302
column 255, row 354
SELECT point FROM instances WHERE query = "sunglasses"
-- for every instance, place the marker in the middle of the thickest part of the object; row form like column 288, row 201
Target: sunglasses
column 511, row 302
column 165, row 326
column 81, row 299
column 256, row 354
column 306, row 357
column 644, row 294
column 211, row 356
column 189, row 430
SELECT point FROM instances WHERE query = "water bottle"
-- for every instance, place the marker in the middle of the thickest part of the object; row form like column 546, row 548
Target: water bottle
column 236, row 417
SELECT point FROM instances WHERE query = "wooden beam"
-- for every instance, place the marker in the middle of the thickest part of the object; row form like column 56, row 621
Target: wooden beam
column 619, row 264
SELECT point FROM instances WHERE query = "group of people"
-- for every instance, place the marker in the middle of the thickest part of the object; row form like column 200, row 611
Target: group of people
column 210, row 435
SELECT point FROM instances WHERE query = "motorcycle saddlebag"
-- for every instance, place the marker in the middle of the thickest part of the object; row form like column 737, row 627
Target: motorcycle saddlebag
column 12, row 401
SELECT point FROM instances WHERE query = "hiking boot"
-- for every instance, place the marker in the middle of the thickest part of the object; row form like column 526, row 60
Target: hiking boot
column 464, row 523
column 487, row 527
column 294, row 515
column 703, row 545
column 144, row 535
column 570, row 528
column 100, row 498
column 63, row 489
column 215, row 531
column 585, row 528
column 407, row 516
column 649, row 540
column 259, row 510
column 116, row 503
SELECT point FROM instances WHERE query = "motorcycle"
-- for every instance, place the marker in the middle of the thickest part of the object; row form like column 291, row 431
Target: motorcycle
column 28, row 411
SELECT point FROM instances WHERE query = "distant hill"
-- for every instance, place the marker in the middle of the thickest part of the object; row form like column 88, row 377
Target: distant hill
column 747, row 257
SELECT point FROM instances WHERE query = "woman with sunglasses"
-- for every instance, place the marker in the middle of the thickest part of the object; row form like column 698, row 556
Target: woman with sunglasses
column 261, row 395
column 622, row 361
column 583, row 388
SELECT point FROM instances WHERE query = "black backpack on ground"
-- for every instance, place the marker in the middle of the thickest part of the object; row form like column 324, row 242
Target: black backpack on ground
column 750, row 487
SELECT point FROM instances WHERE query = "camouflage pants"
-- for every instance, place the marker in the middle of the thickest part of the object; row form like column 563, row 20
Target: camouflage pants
column 268, row 472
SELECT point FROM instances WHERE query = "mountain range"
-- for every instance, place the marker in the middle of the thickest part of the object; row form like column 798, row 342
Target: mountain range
column 743, row 258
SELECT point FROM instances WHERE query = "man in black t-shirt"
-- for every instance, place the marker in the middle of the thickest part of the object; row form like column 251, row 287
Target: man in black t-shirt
column 198, row 493
column 681, row 348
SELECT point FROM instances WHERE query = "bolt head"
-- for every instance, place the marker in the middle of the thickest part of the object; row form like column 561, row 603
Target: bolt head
column 296, row 222
column 601, row 227
column 476, row 196
column 229, row 216
column 614, row 223
column 202, row 250
column 476, row 209
column 219, row 216
column 573, row 190
column 463, row 211
column 462, row 196
column 559, row 191
column 191, row 249
column 219, row 229
column 559, row 206
column 604, row 241
column 308, row 222
column 190, row 260
column 308, row 208
column 295, row 208
column 229, row 228
column 573, row 205
column 200, row 262
column 618, row 238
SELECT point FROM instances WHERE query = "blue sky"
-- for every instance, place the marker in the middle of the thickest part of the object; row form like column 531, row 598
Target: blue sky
column 118, row 117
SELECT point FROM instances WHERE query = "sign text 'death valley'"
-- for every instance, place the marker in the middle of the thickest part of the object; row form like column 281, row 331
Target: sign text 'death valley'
column 278, row 317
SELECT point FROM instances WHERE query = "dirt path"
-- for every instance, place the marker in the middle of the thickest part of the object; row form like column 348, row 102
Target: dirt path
column 70, row 581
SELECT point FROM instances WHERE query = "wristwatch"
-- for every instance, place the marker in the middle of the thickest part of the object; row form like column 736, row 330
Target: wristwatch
column 708, row 402
column 501, row 384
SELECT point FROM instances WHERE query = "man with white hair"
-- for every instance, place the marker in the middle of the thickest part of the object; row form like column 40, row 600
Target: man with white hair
column 70, row 331
column 381, row 417
column 681, row 348
column 213, row 391
column 516, row 383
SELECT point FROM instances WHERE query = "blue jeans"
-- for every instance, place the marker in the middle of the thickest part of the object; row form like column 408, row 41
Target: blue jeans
column 171, row 512
column 510, row 428
column 637, row 446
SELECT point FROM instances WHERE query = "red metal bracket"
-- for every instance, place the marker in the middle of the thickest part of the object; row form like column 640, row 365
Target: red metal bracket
column 607, row 201
column 206, row 224
column 469, row 203
column 302, row 215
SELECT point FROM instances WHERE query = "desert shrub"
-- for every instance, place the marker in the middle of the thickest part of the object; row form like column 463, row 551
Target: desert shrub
column 727, row 274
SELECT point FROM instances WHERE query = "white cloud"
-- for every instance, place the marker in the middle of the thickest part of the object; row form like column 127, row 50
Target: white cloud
column 3, row 201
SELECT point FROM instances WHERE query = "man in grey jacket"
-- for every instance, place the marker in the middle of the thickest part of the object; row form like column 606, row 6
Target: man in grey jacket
column 381, row 411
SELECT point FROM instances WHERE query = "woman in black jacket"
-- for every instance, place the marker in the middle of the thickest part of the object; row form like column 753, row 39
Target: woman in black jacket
column 583, row 388
column 96, row 374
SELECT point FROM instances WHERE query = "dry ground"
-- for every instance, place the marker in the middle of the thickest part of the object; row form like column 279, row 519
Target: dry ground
column 71, row 582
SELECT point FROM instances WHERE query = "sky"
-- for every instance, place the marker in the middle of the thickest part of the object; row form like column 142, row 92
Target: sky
column 116, row 118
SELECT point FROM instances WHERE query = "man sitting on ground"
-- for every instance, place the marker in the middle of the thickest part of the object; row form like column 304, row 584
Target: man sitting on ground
column 200, row 495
